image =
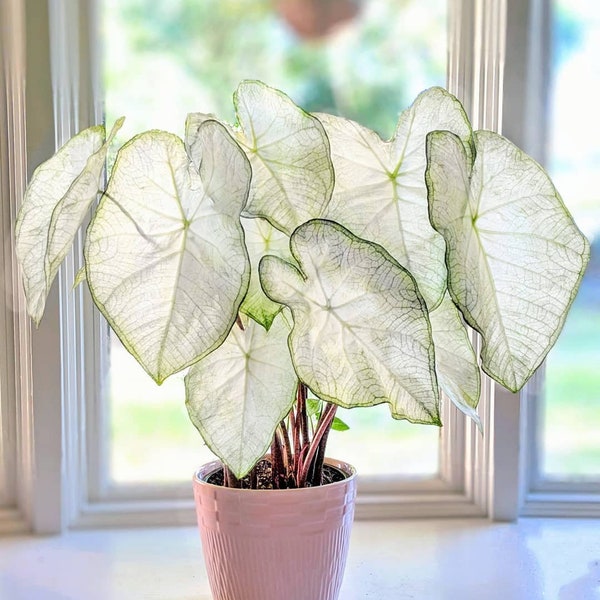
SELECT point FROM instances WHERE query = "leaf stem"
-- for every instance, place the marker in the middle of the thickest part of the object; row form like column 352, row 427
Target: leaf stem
column 277, row 467
column 229, row 479
column 286, row 445
column 323, row 428
column 302, row 415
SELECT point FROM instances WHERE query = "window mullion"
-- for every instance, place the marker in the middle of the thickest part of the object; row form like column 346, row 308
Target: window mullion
column 480, row 33
column 73, row 48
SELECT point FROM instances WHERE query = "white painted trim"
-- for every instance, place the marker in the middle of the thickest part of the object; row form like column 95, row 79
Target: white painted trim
column 476, row 69
column 39, row 56
column 571, row 504
column 527, row 75
column 12, row 521
column 541, row 497
column 15, row 364
column 174, row 511
column 9, row 48
column 43, row 344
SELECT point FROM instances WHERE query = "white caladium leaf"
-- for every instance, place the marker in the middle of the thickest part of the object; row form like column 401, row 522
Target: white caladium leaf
column 165, row 257
column 238, row 394
column 361, row 334
column 455, row 360
column 380, row 192
column 515, row 257
column 262, row 238
column 292, row 174
column 57, row 199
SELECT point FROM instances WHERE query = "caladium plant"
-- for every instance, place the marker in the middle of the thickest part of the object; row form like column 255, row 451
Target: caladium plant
column 291, row 252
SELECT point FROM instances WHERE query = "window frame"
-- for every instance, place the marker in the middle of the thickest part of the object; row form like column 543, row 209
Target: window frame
column 526, row 117
column 16, row 440
column 457, row 491
column 542, row 497
column 60, row 405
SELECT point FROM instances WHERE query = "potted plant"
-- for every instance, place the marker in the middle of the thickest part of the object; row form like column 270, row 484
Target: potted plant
column 294, row 253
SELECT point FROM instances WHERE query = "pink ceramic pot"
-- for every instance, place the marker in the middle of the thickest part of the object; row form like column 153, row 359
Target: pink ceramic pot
column 275, row 544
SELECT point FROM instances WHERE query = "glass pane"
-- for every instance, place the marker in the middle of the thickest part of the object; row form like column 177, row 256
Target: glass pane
column 571, row 444
column 366, row 60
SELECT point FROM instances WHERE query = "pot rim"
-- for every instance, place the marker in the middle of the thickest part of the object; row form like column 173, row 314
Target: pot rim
column 210, row 467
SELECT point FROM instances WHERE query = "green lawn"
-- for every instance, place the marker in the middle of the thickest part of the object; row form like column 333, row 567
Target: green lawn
column 572, row 385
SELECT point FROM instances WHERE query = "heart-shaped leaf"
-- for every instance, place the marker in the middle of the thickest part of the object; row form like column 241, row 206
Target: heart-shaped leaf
column 262, row 238
column 361, row 335
column 238, row 394
column 380, row 192
column 515, row 257
column 165, row 257
column 292, row 174
column 455, row 360
column 57, row 199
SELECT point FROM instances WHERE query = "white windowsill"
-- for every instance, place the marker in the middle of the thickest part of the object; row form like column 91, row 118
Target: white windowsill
column 430, row 559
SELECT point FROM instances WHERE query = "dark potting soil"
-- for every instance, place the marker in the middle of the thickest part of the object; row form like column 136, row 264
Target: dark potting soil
column 264, row 476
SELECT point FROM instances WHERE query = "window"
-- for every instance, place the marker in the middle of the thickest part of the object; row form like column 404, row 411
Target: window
column 64, row 364
column 564, row 400
column 147, row 447
column 572, row 385
column 340, row 62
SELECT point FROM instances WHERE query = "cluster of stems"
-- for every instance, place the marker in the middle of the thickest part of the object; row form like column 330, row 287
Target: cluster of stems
column 297, row 449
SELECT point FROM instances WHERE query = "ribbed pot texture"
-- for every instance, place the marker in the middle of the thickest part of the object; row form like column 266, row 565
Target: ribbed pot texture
column 275, row 544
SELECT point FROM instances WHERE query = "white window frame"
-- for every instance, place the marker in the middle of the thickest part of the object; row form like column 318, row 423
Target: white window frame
column 526, row 116
column 16, row 449
column 541, row 497
column 59, row 402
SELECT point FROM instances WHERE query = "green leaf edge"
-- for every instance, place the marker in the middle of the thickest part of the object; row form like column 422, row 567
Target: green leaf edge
column 115, row 129
column 207, row 439
column 239, row 126
column 470, row 162
column 122, row 337
column 436, row 419
column 19, row 221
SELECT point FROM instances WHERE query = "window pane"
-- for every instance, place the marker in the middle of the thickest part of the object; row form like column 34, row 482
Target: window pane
column 571, row 444
column 366, row 60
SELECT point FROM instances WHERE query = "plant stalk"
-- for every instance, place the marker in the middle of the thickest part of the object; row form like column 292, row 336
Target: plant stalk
column 302, row 415
column 229, row 479
column 286, row 446
column 323, row 428
column 278, row 472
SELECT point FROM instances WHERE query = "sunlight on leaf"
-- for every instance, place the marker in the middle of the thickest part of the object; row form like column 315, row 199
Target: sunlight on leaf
column 380, row 192
column 165, row 258
column 339, row 425
column 238, row 394
column 515, row 257
column 262, row 238
column 455, row 360
column 292, row 174
column 57, row 199
column 361, row 335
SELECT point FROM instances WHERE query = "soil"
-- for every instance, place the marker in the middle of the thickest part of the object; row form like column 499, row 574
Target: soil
column 264, row 476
